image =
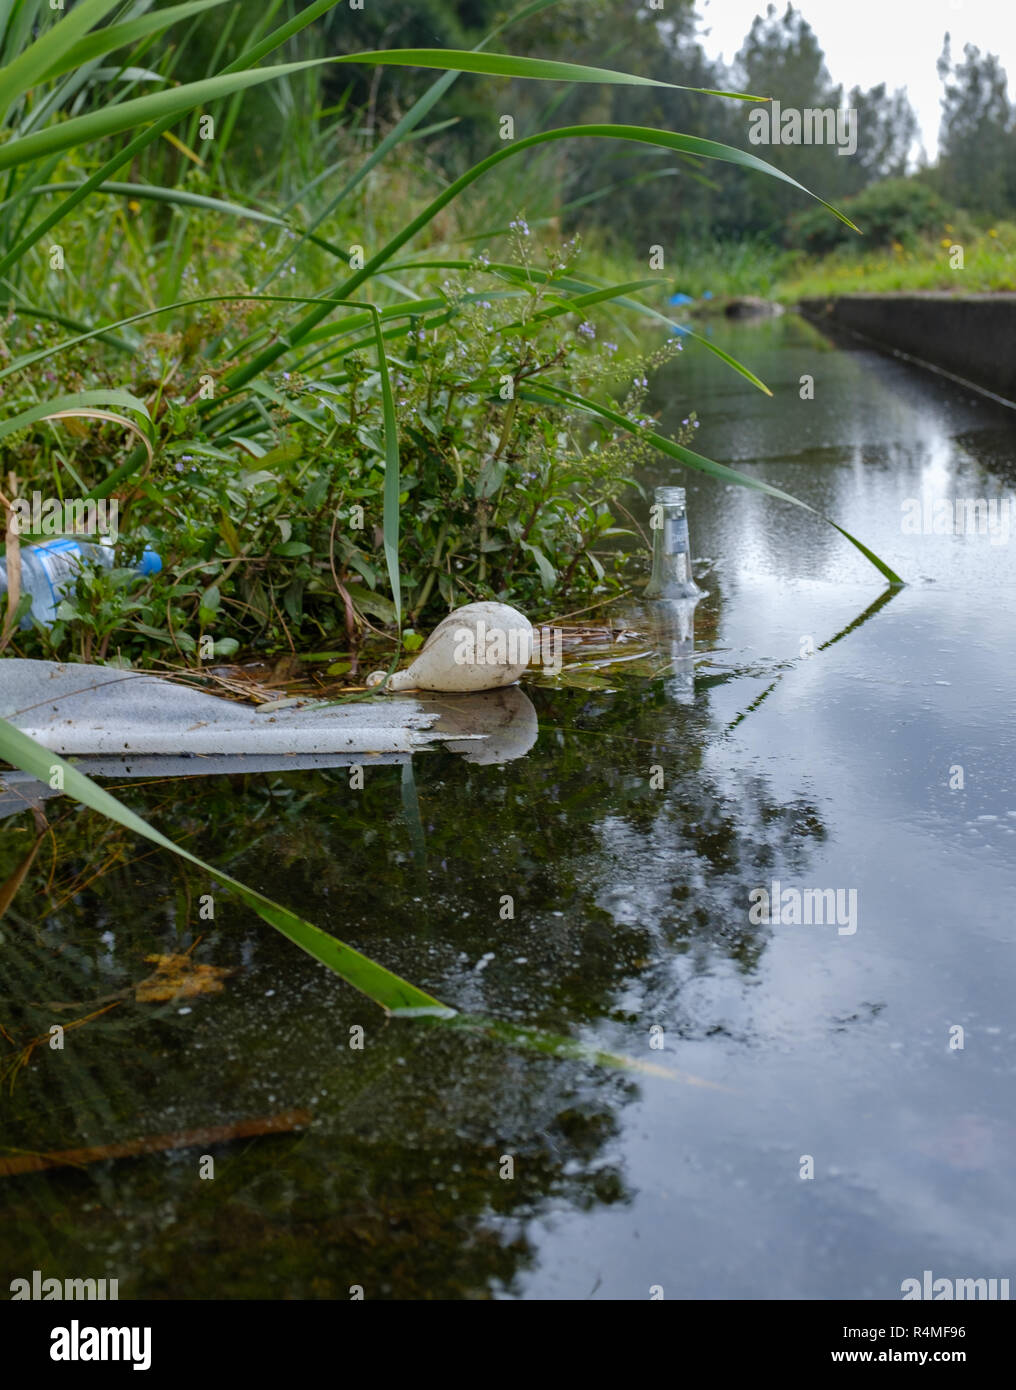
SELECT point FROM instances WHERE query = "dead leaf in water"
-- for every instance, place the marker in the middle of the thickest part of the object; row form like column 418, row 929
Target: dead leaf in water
column 179, row 977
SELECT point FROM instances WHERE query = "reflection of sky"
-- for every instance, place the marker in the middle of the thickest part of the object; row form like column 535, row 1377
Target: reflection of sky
column 877, row 433
column 834, row 1046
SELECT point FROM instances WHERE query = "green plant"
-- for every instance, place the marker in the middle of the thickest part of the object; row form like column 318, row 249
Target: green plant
column 895, row 210
column 338, row 413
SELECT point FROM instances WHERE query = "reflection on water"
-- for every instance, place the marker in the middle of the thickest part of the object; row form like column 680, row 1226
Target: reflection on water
column 596, row 883
column 670, row 624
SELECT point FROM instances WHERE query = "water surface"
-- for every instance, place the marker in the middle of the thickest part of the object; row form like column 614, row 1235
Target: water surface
column 826, row 735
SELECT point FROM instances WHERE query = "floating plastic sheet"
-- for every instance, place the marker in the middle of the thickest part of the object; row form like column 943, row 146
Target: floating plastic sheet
column 129, row 724
column 93, row 710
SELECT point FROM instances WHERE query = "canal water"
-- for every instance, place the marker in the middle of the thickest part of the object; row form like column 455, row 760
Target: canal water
column 822, row 1109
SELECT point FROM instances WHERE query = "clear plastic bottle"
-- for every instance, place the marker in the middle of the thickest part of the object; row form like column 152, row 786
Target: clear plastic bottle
column 671, row 576
column 48, row 570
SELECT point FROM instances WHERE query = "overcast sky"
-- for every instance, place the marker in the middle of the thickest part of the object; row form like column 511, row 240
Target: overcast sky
column 871, row 41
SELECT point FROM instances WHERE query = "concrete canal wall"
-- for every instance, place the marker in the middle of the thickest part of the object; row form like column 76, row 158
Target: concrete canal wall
column 972, row 337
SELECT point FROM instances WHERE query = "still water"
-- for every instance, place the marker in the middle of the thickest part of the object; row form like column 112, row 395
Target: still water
column 818, row 732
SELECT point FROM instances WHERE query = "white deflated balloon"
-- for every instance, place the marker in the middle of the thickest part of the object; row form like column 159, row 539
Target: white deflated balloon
column 481, row 646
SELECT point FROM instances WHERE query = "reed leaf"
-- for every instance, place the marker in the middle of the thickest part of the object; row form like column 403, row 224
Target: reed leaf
column 391, row 992
column 508, row 65
column 111, row 120
column 549, row 395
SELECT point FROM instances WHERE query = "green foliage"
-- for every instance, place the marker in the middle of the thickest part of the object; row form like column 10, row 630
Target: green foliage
column 989, row 265
column 896, row 210
column 499, row 498
column 322, row 459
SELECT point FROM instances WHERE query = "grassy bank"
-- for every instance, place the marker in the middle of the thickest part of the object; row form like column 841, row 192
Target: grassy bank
column 357, row 391
column 988, row 263
column 714, row 274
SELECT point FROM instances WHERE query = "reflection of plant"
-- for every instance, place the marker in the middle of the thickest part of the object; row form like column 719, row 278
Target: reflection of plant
column 650, row 886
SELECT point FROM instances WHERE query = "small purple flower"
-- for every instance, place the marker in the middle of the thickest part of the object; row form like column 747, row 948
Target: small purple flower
column 586, row 329
column 610, row 347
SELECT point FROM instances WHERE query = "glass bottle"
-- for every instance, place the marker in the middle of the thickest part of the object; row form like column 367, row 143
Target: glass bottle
column 671, row 576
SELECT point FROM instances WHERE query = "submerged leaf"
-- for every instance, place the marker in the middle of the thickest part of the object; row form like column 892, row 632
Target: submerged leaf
column 179, row 977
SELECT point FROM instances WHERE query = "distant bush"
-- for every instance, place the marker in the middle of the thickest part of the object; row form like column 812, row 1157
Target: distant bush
column 893, row 210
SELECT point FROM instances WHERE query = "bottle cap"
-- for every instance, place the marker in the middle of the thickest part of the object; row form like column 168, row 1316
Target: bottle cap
column 669, row 495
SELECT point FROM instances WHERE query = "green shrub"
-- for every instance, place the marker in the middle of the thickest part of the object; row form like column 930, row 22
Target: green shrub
column 895, row 210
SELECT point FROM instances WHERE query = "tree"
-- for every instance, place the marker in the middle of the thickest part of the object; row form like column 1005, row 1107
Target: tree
column 977, row 165
column 886, row 129
column 782, row 58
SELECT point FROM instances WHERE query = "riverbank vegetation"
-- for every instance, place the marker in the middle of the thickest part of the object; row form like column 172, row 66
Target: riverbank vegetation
column 365, row 390
column 386, row 322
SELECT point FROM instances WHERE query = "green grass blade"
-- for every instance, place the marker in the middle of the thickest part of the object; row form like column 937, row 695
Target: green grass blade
column 178, row 197
column 390, row 521
column 282, row 35
column 707, row 149
column 111, row 120
column 115, row 36
column 547, row 395
column 394, row 994
column 31, row 65
column 123, row 399
column 719, row 352
column 582, row 301
column 508, row 65
column 157, row 193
